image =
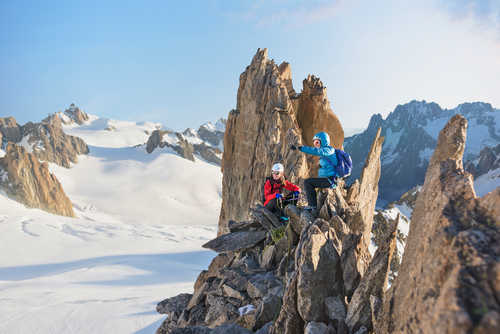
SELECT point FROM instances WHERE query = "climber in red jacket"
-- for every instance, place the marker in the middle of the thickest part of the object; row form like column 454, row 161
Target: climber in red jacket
column 274, row 200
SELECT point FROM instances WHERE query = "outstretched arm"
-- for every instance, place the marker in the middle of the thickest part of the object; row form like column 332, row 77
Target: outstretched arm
column 322, row 151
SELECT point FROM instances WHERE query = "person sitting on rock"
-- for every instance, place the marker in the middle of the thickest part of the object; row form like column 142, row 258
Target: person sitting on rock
column 328, row 161
column 274, row 200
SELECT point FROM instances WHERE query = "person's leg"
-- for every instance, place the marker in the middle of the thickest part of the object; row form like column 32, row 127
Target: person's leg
column 310, row 186
column 272, row 206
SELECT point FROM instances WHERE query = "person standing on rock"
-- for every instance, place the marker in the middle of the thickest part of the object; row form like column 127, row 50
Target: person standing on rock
column 274, row 200
column 326, row 173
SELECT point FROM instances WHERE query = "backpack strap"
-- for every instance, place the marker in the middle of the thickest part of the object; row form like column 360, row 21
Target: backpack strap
column 331, row 162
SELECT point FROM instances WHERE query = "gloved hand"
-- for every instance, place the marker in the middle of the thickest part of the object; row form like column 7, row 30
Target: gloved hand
column 293, row 147
column 279, row 196
column 296, row 193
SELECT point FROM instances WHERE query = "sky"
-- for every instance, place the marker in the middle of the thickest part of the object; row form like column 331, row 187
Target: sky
column 179, row 62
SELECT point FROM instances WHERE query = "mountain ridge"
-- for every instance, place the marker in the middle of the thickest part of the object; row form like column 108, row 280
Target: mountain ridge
column 411, row 135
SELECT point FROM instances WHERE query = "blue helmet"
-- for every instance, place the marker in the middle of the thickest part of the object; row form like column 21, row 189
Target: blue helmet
column 323, row 137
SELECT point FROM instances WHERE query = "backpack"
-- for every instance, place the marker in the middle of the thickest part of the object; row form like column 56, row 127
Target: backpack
column 344, row 163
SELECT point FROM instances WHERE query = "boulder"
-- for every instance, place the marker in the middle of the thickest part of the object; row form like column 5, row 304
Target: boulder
column 174, row 306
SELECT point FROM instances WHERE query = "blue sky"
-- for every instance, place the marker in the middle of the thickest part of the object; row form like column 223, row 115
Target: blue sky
column 179, row 62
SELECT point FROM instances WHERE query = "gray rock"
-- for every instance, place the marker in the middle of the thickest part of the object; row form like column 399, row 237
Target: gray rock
column 219, row 311
column 318, row 328
column 268, row 310
column 174, row 306
column 336, row 308
column 230, row 329
column 198, row 295
column 268, row 257
column 235, row 241
column 10, row 130
column 232, row 292
column 212, row 137
column 373, row 283
column 318, row 273
column 265, row 329
column 262, row 284
column 289, row 321
column 190, row 330
column 243, row 226
column 208, row 153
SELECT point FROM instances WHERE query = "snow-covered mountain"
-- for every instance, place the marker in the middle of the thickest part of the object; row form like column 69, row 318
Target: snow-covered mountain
column 206, row 143
column 411, row 132
column 141, row 220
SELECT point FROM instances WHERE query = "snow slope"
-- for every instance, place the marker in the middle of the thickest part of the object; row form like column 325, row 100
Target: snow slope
column 141, row 221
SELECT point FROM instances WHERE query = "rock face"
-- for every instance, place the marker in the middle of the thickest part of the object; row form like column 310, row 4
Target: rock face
column 73, row 114
column 206, row 142
column 45, row 140
column 489, row 159
column 28, row 181
column 404, row 158
column 10, row 130
column 448, row 281
column 48, row 142
column 269, row 117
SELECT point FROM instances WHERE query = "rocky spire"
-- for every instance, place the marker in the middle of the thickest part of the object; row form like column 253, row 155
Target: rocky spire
column 449, row 276
column 10, row 130
column 269, row 117
column 76, row 114
column 28, row 181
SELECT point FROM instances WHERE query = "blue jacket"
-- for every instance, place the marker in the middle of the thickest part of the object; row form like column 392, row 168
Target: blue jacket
column 326, row 168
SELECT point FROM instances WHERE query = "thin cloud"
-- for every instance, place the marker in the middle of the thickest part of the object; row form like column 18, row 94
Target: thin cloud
column 288, row 14
column 485, row 13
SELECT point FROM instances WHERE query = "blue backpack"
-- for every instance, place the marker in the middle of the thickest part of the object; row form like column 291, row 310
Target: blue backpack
column 344, row 163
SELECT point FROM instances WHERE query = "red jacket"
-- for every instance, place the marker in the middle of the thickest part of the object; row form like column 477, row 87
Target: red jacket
column 273, row 188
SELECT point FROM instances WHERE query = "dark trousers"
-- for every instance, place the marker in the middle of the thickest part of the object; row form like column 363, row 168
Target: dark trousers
column 277, row 207
column 310, row 186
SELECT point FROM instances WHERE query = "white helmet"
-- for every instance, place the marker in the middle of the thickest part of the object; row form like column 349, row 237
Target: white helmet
column 278, row 168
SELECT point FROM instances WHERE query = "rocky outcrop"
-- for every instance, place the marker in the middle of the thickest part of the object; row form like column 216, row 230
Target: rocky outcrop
column 359, row 311
column 269, row 117
column 489, row 159
column 189, row 143
column 28, row 181
column 48, row 142
column 45, row 140
column 448, row 280
column 315, row 275
column 291, row 276
column 10, row 130
column 74, row 114
column 411, row 133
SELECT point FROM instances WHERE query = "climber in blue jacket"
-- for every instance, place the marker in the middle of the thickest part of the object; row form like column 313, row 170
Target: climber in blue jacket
column 326, row 174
